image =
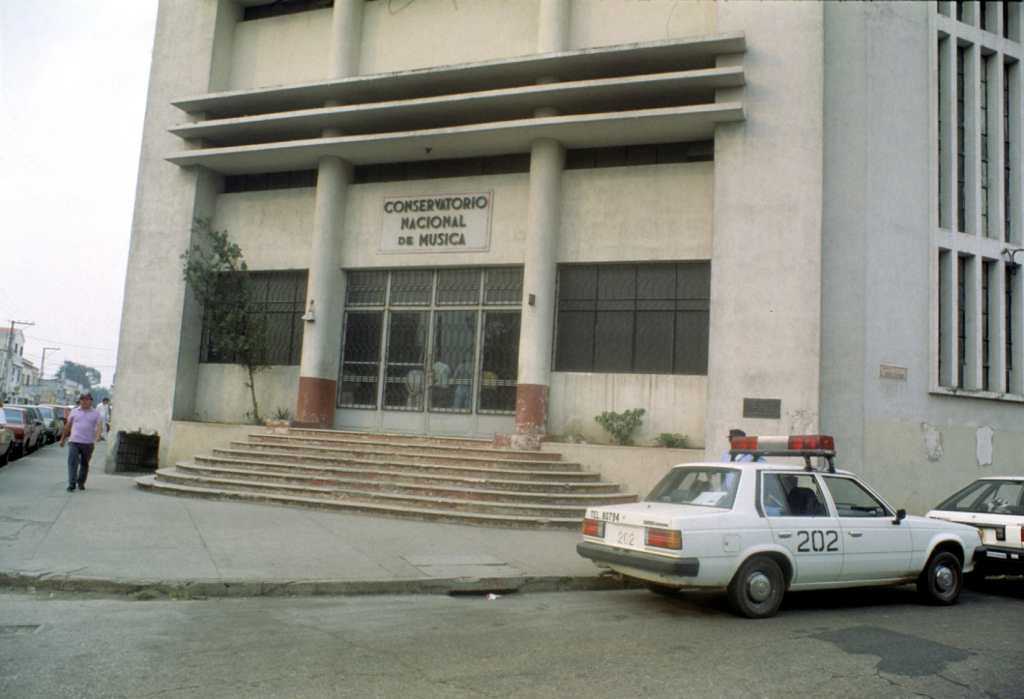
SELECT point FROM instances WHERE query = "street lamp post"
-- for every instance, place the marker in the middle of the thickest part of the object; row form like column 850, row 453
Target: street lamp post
column 42, row 364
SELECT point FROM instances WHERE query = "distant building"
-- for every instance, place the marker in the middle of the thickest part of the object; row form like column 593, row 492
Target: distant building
column 500, row 217
column 12, row 363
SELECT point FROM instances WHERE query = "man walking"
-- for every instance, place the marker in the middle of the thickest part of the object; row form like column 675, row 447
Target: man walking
column 84, row 426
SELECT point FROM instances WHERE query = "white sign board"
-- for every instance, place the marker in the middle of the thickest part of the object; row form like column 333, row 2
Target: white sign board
column 437, row 223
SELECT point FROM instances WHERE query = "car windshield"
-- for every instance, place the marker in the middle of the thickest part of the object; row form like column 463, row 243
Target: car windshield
column 14, row 416
column 704, row 486
column 47, row 412
column 988, row 496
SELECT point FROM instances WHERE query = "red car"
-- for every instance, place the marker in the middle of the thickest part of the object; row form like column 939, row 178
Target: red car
column 27, row 426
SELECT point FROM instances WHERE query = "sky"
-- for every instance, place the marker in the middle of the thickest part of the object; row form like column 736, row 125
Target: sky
column 73, row 81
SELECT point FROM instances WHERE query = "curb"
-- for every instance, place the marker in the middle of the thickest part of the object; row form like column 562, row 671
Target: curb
column 203, row 589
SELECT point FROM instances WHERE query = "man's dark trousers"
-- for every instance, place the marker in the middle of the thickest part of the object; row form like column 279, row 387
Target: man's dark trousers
column 78, row 462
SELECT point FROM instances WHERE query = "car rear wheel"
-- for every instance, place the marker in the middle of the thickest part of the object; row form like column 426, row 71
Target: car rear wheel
column 942, row 579
column 757, row 589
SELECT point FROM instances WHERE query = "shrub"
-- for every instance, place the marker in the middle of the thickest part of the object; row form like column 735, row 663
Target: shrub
column 672, row 440
column 621, row 426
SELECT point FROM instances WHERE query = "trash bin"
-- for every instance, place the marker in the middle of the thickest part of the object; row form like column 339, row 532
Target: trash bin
column 137, row 451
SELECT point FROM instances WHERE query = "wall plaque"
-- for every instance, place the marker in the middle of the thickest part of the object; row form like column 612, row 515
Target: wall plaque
column 767, row 408
column 436, row 223
column 888, row 371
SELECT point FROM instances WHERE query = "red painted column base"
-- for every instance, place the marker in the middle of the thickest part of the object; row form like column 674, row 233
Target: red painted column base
column 315, row 407
column 531, row 415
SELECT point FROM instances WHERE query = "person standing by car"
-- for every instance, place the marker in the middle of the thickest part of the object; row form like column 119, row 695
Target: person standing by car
column 84, row 427
column 104, row 410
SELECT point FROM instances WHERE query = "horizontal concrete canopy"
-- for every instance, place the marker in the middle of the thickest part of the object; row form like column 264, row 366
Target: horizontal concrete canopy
column 646, row 126
column 581, row 64
column 659, row 90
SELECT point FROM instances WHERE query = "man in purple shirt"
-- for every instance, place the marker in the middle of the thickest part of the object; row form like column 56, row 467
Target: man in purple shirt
column 83, row 426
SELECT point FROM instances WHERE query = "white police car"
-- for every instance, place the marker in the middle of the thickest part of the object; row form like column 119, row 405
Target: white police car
column 757, row 530
column 995, row 505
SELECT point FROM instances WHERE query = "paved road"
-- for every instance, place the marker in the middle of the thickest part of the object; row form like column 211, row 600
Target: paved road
column 625, row 644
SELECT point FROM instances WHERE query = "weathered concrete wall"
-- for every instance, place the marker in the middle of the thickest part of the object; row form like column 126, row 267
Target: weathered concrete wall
column 766, row 268
column 156, row 326
column 636, row 469
column 273, row 228
column 655, row 212
column 674, row 404
column 222, row 394
column 281, row 50
column 625, row 21
column 877, row 293
column 190, row 438
column 409, row 35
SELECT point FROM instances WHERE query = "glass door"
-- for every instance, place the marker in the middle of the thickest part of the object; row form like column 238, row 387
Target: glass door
column 453, row 355
column 405, row 372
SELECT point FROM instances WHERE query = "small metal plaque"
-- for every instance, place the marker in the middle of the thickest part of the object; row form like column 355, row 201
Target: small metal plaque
column 888, row 371
column 767, row 408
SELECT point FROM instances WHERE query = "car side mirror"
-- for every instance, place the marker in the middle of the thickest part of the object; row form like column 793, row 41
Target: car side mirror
column 901, row 515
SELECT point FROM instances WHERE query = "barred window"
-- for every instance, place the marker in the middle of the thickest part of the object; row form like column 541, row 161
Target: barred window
column 279, row 300
column 633, row 318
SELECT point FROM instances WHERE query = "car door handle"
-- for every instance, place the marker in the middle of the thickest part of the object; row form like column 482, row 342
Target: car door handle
column 785, row 536
column 856, row 535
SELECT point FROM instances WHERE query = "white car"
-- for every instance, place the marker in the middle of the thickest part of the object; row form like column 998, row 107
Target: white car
column 757, row 530
column 994, row 505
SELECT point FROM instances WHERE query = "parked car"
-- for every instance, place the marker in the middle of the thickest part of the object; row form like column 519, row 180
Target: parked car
column 52, row 425
column 757, row 530
column 27, row 425
column 995, row 505
column 6, row 445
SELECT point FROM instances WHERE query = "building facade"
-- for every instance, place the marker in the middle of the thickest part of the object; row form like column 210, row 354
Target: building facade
column 507, row 216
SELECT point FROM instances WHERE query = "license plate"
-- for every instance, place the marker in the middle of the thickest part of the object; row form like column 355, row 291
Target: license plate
column 624, row 537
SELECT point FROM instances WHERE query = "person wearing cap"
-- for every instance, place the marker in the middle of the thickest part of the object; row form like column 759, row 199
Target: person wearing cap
column 84, row 427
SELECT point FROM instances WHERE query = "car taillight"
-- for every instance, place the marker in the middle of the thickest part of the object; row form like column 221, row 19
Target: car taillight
column 593, row 527
column 664, row 538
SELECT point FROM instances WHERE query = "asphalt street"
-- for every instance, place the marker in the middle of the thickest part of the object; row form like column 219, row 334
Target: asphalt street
column 875, row 643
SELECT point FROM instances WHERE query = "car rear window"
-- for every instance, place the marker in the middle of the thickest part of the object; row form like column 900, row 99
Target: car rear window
column 707, row 487
column 15, row 416
column 988, row 496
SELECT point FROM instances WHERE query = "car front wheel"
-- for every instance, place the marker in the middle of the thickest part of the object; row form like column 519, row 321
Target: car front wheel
column 756, row 590
column 942, row 579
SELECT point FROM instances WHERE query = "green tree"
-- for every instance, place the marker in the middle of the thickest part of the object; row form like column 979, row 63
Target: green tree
column 215, row 271
column 79, row 373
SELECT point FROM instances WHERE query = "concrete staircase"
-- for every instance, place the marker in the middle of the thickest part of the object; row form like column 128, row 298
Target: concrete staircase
column 458, row 480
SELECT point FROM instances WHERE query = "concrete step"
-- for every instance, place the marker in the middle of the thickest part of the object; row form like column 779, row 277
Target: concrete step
column 390, row 453
column 394, row 437
column 196, row 489
column 420, row 490
column 496, row 481
column 422, row 444
column 241, row 482
column 398, row 464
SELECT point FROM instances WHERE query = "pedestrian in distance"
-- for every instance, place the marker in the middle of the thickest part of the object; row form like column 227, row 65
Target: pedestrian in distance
column 104, row 410
column 84, row 427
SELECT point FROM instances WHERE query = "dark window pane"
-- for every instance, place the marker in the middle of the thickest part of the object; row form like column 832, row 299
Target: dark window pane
column 360, row 365
column 499, row 362
column 503, row 286
column 616, row 287
column 451, row 369
column 405, row 376
column 694, row 281
column 366, row 288
column 411, row 287
column 656, row 287
column 691, row 345
column 575, row 343
column 613, row 341
column 654, row 342
column 458, row 286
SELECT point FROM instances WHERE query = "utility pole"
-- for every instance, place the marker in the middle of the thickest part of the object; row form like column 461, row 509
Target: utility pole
column 42, row 364
column 7, row 356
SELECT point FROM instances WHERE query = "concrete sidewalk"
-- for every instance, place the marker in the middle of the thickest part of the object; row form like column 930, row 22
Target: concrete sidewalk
column 114, row 538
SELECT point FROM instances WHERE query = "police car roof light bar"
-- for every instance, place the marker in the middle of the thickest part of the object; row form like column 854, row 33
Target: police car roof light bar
column 801, row 445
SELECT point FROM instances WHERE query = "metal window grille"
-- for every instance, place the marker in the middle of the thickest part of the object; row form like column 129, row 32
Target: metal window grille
column 1007, row 167
column 278, row 301
column 366, row 288
column 942, row 314
column 941, row 82
column 1008, row 337
column 984, row 144
column 646, row 318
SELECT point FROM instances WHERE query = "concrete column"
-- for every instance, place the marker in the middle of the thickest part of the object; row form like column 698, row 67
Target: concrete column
column 321, row 339
column 544, row 210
